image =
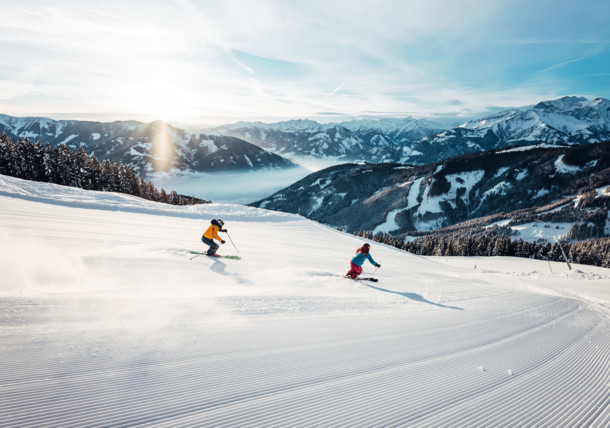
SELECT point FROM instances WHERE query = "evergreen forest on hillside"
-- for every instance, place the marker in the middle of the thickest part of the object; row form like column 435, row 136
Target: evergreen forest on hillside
column 59, row 165
column 494, row 242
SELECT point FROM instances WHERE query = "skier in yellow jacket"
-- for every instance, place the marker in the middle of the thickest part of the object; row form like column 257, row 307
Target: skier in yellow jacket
column 212, row 233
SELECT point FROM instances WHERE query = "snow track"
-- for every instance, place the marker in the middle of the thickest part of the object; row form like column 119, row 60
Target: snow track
column 105, row 322
column 558, row 364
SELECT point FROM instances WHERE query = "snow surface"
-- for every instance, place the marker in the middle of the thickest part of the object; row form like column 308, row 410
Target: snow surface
column 209, row 145
column 526, row 148
column 390, row 223
column 561, row 167
column 105, row 321
column 432, row 204
column 536, row 231
column 539, row 232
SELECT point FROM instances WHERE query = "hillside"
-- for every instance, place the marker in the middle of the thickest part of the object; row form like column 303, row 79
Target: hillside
column 397, row 199
column 106, row 322
column 146, row 147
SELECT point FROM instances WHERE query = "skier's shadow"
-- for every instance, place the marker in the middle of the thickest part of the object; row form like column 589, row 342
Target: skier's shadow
column 220, row 268
column 414, row 296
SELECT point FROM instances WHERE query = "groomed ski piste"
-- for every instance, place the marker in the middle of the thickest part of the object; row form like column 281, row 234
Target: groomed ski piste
column 106, row 322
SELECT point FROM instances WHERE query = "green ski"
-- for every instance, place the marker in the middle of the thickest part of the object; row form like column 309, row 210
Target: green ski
column 217, row 255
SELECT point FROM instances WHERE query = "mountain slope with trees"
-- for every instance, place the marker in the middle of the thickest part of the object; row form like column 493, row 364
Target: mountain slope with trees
column 396, row 199
column 60, row 165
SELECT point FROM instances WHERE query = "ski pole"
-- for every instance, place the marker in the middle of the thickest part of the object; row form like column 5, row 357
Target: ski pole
column 200, row 254
column 371, row 274
column 229, row 236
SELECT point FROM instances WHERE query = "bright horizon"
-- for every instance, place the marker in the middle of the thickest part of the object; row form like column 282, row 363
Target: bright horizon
column 205, row 62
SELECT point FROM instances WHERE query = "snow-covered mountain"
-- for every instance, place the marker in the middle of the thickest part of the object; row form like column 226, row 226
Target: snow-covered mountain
column 147, row 147
column 567, row 120
column 373, row 140
column 395, row 199
column 106, row 322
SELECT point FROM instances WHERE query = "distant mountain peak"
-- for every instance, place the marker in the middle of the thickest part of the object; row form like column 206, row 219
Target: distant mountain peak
column 563, row 104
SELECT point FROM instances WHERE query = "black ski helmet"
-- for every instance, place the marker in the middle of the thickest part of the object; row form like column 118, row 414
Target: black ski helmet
column 220, row 222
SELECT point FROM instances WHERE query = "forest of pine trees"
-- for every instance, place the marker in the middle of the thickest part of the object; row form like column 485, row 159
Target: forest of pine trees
column 595, row 252
column 59, row 165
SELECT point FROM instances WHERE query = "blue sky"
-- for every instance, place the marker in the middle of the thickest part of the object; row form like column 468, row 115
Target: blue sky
column 213, row 62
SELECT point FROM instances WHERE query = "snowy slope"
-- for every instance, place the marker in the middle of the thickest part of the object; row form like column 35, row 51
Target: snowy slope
column 106, row 322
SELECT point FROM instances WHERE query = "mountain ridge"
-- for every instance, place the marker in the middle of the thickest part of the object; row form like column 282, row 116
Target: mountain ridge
column 158, row 146
column 566, row 120
column 374, row 140
column 147, row 147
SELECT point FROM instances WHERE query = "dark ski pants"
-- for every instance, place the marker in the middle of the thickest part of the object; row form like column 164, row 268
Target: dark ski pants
column 213, row 245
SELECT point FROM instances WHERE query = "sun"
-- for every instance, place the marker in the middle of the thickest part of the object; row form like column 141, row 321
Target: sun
column 159, row 99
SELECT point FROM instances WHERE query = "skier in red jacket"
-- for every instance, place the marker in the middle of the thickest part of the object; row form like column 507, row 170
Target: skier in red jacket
column 356, row 263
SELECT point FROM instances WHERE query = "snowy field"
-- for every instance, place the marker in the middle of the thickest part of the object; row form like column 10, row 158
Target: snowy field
column 106, row 322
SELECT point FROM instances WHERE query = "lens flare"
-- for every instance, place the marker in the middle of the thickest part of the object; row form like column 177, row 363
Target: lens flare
column 163, row 150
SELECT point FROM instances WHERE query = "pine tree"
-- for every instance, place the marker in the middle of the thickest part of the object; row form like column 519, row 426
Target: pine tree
column 96, row 173
column 174, row 198
column 8, row 156
column 65, row 169
column 83, row 176
column 38, row 169
column 49, row 161
column 163, row 196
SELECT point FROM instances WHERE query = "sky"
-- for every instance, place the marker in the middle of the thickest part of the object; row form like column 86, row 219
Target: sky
column 214, row 62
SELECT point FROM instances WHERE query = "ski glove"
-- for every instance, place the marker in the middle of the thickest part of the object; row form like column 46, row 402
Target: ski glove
column 222, row 242
column 378, row 265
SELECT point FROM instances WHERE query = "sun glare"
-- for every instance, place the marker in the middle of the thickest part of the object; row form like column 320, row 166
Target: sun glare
column 162, row 148
column 159, row 100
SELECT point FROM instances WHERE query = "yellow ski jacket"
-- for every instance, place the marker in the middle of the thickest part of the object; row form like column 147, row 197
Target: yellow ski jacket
column 212, row 232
